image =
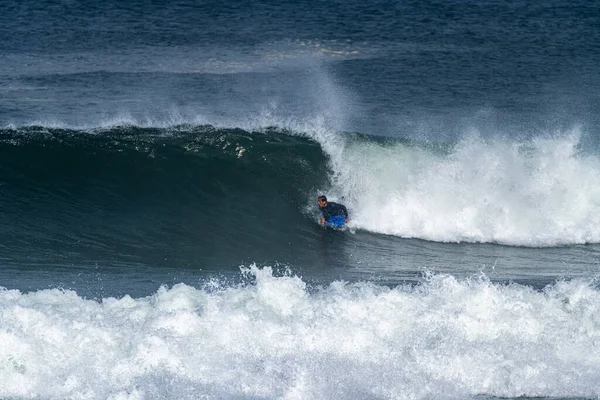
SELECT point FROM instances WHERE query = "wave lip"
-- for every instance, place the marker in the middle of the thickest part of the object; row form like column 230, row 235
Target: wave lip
column 274, row 337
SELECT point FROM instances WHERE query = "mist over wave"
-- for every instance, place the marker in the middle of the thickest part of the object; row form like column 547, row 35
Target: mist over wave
column 276, row 337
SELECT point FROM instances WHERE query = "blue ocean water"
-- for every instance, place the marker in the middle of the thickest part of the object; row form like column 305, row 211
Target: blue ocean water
column 159, row 168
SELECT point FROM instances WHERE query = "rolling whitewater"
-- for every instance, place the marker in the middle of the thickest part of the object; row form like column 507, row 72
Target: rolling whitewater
column 159, row 171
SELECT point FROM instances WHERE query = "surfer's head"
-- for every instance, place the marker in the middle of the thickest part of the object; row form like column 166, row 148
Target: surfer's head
column 322, row 201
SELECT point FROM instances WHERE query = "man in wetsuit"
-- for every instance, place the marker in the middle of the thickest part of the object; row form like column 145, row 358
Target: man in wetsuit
column 334, row 214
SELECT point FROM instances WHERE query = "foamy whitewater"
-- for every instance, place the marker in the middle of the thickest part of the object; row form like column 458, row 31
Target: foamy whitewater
column 539, row 192
column 274, row 337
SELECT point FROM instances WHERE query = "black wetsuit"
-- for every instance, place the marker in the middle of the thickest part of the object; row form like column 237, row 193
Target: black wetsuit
column 334, row 210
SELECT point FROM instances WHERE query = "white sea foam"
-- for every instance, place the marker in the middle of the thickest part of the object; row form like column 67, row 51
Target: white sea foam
column 274, row 338
column 540, row 192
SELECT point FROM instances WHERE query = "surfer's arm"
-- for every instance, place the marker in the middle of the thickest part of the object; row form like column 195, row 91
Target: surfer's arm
column 322, row 220
column 343, row 207
column 345, row 211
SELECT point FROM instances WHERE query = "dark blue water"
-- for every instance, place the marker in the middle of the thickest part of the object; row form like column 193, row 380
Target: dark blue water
column 148, row 144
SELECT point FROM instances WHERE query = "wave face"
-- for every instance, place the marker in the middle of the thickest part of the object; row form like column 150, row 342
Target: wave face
column 276, row 337
column 128, row 190
column 129, row 163
column 142, row 183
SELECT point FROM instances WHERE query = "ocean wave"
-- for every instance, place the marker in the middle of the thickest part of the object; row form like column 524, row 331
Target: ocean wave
column 276, row 337
column 536, row 192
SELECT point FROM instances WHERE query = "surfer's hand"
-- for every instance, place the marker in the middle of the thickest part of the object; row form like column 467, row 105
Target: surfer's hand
column 347, row 220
